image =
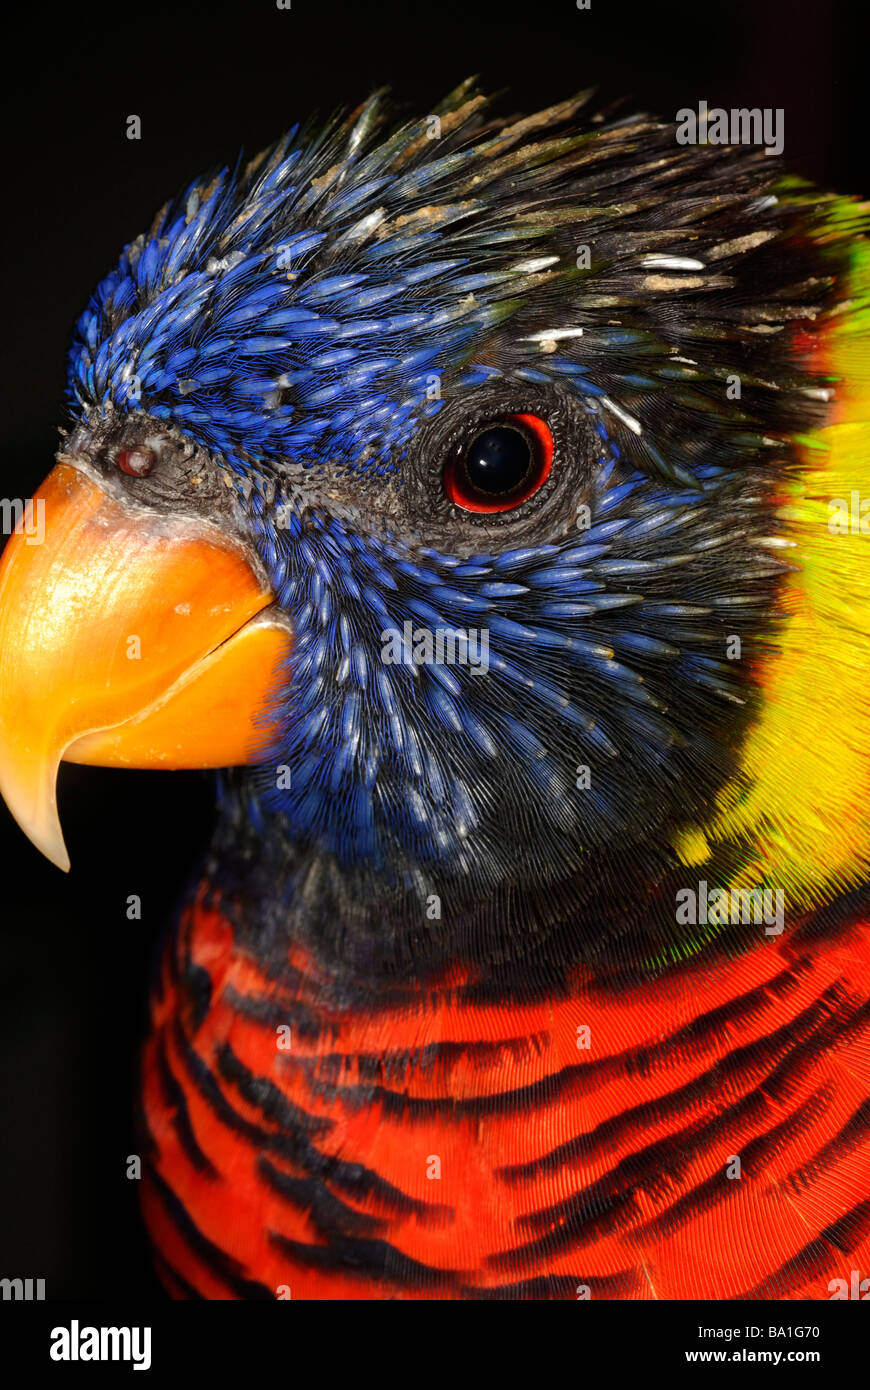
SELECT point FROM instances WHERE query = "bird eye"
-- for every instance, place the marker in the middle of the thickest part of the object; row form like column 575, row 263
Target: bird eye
column 503, row 464
column 137, row 462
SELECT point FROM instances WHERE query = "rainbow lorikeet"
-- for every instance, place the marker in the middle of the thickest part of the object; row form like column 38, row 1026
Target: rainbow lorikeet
column 487, row 500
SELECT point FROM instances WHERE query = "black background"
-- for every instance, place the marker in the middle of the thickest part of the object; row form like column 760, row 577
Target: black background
column 207, row 79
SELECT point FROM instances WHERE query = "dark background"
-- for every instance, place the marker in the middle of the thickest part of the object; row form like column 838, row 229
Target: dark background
column 206, row 79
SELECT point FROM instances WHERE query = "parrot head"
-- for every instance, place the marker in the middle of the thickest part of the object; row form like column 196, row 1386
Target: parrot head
column 430, row 478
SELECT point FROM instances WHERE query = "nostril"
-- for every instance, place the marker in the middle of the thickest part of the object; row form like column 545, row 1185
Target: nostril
column 137, row 462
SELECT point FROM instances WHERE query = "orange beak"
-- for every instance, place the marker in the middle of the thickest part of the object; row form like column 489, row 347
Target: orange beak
column 127, row 639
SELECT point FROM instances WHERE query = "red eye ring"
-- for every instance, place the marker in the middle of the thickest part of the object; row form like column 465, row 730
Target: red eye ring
column 460, row 487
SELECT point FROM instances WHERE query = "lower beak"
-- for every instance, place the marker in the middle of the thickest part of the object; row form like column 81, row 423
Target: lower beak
column 127, row 639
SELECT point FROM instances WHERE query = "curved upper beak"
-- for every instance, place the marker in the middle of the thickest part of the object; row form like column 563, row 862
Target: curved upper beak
column 127, row 638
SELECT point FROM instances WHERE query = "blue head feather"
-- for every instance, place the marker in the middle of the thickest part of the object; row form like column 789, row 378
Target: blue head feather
column 310, row 318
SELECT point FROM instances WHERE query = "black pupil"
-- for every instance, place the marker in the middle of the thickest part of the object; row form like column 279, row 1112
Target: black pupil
column 498, row 460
